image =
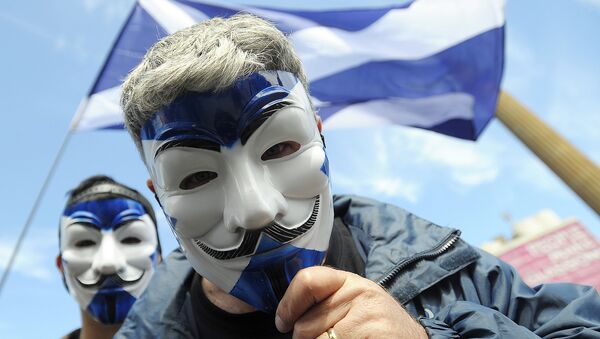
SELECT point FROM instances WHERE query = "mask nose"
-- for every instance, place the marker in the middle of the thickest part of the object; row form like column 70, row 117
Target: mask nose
column 108, row 259
column 252, row 201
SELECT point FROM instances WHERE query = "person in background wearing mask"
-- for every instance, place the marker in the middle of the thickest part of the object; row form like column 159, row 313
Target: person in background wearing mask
column 223, row 120
column 109, row 250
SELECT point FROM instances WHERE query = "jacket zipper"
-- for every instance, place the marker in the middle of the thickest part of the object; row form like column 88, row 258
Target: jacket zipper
column 437, row 250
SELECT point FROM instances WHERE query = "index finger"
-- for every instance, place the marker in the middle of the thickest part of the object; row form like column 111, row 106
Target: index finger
column 308, row 288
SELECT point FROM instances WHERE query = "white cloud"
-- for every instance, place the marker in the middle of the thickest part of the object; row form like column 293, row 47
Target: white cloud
column 35, row 258
column 477, row 177
column 379, row 186
column 91, row 5
column 592, row 3
column 397, row 187
column 409, row 163
column 372, row 168
column 404, row 162
column 468, row 163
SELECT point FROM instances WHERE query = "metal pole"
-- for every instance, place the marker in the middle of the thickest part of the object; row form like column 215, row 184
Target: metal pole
column 574, row 168
column 34, row 209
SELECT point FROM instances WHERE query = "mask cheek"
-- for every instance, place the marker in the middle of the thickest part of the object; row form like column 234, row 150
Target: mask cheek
column 194, row 214
column 76, row 263
column 82, row 295
column 301, row 176
column 140, row 257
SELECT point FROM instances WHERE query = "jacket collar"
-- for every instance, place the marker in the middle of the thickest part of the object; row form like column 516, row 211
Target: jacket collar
column 389, row 235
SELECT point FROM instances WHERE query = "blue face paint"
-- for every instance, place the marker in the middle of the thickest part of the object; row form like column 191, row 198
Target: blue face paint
column 264, row 281
column 220, row 117
column 105, row 214
column 110, row 306
column 325, row 166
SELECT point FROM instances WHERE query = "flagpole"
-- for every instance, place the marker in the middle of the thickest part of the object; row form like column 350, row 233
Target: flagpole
column 41, row 193
column 74, row 124
column 572, row 166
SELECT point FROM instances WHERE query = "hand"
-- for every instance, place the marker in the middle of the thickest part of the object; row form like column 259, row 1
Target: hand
column 320, row 298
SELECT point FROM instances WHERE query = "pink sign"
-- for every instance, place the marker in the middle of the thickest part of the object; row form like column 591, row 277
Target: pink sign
column 570, row 253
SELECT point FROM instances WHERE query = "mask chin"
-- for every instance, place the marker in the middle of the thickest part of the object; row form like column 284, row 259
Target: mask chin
column 264, row 281
column 111, row 306
column 109, row 299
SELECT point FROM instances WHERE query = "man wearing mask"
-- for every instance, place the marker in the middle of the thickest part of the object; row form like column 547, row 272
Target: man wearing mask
column 109, row 250
column 221, row 115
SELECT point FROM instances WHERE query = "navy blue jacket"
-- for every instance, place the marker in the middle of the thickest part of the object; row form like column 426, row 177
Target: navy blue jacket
column 454, row 289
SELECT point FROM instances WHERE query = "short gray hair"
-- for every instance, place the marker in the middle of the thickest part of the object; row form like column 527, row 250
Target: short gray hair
column 209, row 56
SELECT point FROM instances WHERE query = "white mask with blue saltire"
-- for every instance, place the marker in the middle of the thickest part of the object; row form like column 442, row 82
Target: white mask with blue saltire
column 242, row 176
column 109, row 253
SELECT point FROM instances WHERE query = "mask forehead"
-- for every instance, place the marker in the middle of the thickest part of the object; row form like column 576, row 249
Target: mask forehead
column 105, row 214
column 220, row 117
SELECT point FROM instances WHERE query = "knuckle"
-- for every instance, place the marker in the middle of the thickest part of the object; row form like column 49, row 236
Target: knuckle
column 304, row 277
column 368, row 295
column 372, row 293
column 302, row 330
column 305, row 283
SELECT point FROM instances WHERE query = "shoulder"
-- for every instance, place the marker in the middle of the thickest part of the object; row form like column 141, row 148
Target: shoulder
column 385, row 220
column 383, row 225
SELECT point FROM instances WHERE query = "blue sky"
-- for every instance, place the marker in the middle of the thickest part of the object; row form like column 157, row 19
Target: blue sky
column 53, row 50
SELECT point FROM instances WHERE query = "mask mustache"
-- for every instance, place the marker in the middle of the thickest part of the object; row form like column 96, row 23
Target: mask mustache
column 251, row 238
column 110, row 281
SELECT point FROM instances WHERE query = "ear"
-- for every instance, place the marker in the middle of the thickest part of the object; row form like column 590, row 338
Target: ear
column 150, row 185
column 59, row 264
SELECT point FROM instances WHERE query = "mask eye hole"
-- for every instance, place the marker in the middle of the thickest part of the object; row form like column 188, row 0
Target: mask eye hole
column 280, row 150
column 85, row 243
column 130, row 241
column 197, row 179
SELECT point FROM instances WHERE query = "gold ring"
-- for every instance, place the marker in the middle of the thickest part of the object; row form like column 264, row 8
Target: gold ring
column 331, row 334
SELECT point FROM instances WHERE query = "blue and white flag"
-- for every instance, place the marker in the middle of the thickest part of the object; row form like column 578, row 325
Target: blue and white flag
column 433, row 64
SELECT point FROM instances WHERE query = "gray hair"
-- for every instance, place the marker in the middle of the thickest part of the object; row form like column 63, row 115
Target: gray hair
column 209, row 56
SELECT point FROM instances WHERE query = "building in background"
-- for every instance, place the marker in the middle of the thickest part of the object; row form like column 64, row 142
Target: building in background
column 545, row 248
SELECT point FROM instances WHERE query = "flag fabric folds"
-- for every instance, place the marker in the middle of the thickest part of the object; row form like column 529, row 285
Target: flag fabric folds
column 433, row 64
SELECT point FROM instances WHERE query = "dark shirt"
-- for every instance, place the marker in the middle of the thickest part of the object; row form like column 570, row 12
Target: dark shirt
column 213, row 322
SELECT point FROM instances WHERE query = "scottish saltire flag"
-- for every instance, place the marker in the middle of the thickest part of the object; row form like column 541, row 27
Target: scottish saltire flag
column 433, row 64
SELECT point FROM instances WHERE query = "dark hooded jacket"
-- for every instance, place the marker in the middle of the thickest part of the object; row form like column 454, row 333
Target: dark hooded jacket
column 454, row 289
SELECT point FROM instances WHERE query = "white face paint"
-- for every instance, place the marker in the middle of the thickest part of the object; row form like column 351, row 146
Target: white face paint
column 250, row 206
column 109, row 250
